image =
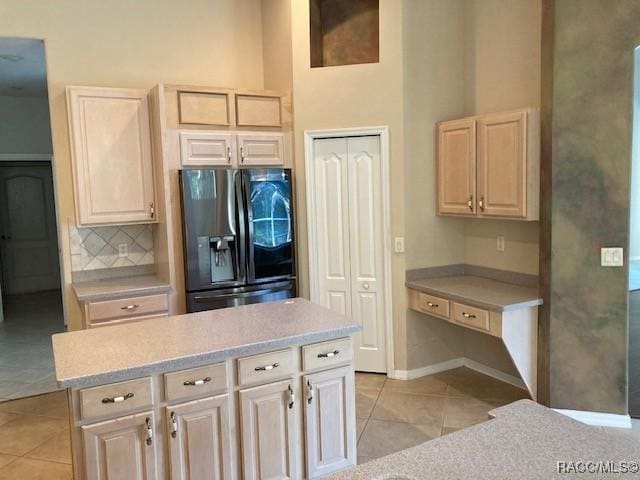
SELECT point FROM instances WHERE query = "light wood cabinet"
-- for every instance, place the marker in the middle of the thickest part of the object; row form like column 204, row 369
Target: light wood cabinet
column 204, row 108
column 261, row 148
column 258, row 111
column 330, row 421
column 111, row 155
column 202, row 148
column 112, row 312
column 200, row 439
column 457, row 167
column 489, row 166
column 121, row 448
column 268, row 423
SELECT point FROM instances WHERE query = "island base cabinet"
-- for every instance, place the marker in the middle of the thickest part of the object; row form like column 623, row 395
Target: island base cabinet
column 330, row 421
column 268, row 421
column 121, row 449
column 200, row 439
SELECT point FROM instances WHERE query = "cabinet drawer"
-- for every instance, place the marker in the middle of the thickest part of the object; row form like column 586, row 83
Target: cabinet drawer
column 196, row 381
column 433, row 305
column 207, row 148
column 203, row 108
column 127, row 308
column 115, row 398
column 257, row 111
column 267, row 366
column 327, row 354
column 471, row 317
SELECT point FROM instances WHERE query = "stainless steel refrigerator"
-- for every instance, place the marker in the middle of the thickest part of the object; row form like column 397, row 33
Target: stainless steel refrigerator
column 239, row 243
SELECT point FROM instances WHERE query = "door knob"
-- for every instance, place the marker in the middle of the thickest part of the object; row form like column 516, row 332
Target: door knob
column 365, row 286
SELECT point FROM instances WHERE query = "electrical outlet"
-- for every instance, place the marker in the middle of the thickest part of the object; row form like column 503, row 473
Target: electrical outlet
column 500, row 243
column 399, row 244
column 612, row 257
column 123, row 250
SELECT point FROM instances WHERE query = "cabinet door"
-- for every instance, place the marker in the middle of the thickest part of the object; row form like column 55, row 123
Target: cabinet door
column 268, row 418
column 330, row 421
column 111, row 154
column 121, row 449
column 262, row 148
column 200, row 439
column 502, row 164
column 199, row 149
column 457, row 167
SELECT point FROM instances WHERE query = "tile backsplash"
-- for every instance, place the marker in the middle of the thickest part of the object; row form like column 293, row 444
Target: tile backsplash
column 98, row 247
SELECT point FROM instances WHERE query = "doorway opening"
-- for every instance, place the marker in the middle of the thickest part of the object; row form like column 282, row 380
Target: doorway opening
column 30, row 282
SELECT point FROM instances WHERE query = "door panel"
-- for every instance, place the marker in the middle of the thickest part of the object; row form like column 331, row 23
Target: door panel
column 28, row 242
column 502, row 164
column 118, row 449
column 268, row 431
column 332, row 220
column 456, row 167
column 200, row 448
column 330, row 421
column 207, row 149
column 366, row 251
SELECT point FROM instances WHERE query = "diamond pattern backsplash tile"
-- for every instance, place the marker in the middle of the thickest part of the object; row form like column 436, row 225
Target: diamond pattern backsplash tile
column 98, row 247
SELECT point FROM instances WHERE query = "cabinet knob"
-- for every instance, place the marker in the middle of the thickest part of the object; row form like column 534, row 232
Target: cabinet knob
column 481, row 203
column 366, row 286
column 470, row 203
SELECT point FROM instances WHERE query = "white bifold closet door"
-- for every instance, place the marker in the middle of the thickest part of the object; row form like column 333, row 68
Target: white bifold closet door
column 349, row 243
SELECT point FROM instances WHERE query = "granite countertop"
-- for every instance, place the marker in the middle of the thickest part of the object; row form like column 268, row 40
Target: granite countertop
column 524, row 440
column 113, row 288
column 480, row 292
column 110, row 354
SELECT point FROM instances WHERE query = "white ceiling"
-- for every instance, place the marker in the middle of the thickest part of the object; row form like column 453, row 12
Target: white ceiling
column 23, row 71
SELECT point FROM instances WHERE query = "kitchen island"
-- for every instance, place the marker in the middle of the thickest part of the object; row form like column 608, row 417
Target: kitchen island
column 259, row 391
column 524, row 440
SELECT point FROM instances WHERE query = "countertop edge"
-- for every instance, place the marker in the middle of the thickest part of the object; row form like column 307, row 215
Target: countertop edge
column 472, row 301
column 136, row 291
column 201, row 359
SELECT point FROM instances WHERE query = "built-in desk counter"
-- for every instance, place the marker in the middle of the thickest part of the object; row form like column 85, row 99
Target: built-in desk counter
column 500, row 309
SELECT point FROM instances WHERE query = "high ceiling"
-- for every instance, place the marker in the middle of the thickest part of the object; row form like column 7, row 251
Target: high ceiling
column 23, row 71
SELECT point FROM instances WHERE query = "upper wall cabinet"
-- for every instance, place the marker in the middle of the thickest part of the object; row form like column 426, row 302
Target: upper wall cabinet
column 489, row 166
column 258, row 111
column 204, row 108
column 111, row 155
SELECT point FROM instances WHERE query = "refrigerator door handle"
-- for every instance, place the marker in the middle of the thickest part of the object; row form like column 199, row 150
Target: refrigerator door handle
column 248, row 225
column 242, row 228
column 241, row 295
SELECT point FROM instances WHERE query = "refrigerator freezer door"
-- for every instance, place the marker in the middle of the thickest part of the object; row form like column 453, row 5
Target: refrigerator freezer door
column 234, row 297
column 270, row 235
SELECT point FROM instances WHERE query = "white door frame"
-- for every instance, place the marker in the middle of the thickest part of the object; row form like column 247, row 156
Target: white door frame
column 309, row 153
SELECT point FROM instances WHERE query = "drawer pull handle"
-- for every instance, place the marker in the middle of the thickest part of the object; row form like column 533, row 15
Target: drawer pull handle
column 432, row 305
column 328, row 354
column 195, row 383
column 309, row 392
column 468, row 315
column 292, row 397
column 174, row 425
column 266, row 368
column 119, row 399
column 129, row 307
column 149, row 431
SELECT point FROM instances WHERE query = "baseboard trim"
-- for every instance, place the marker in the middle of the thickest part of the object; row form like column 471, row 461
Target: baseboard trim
column 597, row 419
column 456, row 363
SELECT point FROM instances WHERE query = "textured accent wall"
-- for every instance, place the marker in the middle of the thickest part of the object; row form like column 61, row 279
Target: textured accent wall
column 593, row 59
column 97, row 248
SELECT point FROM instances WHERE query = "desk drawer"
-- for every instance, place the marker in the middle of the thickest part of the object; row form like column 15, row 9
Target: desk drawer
column 127, row 308
column 433, row 305
column 200, row 381
column 471, row 317
column 115, row 398
column 327, row 354
column 267, row 366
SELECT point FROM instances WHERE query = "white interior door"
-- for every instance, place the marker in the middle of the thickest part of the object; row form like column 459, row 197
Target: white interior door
column 349, row 239
column 28, row 238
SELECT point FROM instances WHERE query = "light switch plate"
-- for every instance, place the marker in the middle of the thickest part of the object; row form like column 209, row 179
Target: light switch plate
column 399, row 244
column 500, row 243
column 612, row 257
column 123, row 250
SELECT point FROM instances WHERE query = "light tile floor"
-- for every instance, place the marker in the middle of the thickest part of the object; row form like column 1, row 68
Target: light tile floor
column 26, row 357
column 392, row 415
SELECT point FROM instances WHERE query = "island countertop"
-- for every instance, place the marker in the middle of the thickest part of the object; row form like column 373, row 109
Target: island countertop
column 110, row 354
column 524, row 440
column 479, row 291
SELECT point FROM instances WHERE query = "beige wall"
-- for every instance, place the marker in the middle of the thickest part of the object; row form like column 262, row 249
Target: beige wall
column 502, row 72
column 121, row 43
column 24, row 125
column 353, row 96
column 277, row 51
